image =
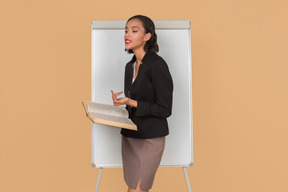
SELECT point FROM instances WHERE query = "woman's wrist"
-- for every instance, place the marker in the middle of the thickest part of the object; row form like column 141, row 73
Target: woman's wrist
column 132, row 103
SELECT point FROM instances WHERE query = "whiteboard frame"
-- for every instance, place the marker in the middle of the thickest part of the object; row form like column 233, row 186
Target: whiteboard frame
column 159, row 24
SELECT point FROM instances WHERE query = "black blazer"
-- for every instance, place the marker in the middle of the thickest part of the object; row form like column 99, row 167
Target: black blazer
column 152, row 89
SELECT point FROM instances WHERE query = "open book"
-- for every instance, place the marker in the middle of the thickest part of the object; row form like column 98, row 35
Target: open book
column 105, row 114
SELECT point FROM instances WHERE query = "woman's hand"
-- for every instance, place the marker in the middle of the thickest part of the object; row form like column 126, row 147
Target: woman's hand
column 123, row 100
column 120, row 101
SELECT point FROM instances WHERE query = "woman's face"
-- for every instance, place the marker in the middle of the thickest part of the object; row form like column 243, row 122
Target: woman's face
column 135, row 37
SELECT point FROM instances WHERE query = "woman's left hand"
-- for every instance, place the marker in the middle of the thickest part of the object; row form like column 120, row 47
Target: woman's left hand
column 120, row 101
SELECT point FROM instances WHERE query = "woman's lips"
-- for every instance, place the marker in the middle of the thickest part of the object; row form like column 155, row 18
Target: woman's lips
column 127, row 41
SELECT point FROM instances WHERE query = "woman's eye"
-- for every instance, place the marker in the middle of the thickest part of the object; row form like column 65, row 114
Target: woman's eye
column 132, row 31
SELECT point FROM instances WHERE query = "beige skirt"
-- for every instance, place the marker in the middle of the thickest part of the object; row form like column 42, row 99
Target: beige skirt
column 141, row 159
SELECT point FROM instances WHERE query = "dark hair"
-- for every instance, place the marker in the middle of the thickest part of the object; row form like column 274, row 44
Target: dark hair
column 149, row 27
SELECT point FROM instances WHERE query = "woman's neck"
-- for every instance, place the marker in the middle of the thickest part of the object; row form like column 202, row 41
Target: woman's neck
column 139, row 55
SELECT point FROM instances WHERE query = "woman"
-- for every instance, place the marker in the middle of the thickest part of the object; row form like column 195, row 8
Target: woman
column 148, row 89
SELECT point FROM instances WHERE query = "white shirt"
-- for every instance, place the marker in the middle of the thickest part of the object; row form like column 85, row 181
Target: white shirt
column 134, row 71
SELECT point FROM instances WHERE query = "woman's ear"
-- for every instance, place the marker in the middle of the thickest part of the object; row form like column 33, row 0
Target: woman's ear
column 147, row 36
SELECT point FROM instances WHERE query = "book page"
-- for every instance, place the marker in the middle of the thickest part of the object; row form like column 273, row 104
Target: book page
column 109, row 110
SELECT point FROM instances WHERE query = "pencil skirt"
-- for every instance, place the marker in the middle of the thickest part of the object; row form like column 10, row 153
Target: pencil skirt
column 141, row 159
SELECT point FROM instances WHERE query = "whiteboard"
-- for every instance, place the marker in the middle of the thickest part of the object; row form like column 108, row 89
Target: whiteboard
column 108, row 64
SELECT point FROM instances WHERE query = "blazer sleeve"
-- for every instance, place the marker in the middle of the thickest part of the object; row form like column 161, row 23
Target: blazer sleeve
column 163, row 87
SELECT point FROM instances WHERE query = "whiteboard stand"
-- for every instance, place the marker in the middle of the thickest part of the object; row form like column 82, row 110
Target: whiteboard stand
column 187, row 179
column 184, row 169
column 98, row 179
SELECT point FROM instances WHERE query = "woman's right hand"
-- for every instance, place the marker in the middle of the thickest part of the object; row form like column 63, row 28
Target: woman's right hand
column 122, row 100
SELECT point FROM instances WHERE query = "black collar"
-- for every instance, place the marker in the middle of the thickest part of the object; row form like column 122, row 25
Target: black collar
column 146, row 56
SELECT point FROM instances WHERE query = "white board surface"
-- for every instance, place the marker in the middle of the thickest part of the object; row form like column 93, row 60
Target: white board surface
column 108, row 65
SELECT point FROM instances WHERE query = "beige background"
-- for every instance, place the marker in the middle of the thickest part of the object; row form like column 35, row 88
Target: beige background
column 239, row 56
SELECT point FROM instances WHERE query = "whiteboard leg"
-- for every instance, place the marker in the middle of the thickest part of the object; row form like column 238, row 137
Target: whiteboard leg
column 98, row 179
column 187, row 179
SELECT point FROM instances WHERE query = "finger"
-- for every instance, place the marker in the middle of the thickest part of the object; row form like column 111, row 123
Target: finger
column 116, row 103
column 113, row 96
column 119, row 93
